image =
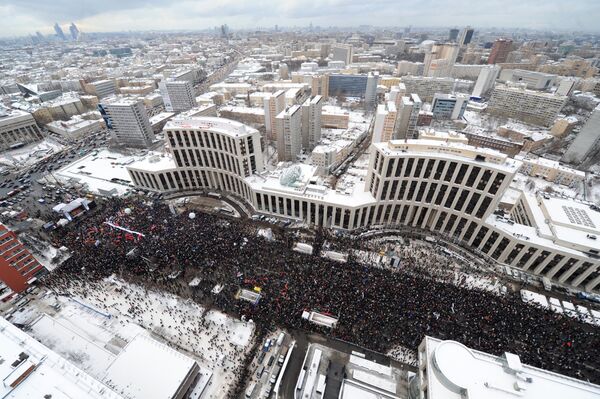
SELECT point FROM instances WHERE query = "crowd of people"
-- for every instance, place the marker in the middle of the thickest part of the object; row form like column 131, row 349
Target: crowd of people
column 377, row 308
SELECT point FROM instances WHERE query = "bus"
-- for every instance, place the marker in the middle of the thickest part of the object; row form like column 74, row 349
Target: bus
column 250, row 390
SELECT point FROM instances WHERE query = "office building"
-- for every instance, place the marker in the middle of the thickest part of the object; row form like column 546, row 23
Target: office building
column 128, row 122
column 450, row 370
column 434, row 184
column 371, row 89
column 204, row 153
column 532, row 79
column 347, row 85
column 102, row 88
column 342, row 53
column 288, row 128
column 32, row 370
column 566, row 86
column 453, row 34
column 178, row 95
column 485, row 81
column 407, row 117
column 427, row 87
column 526, row 105
column 449, row 106
column 550, row 170
column 385, row 122
column 587, row 141
column 440, row 59
column 18, row 268
column 312, row 109
column 273, row 105
column 17, row 128
column 466, row 36
column 500, row 50
column 59, row 32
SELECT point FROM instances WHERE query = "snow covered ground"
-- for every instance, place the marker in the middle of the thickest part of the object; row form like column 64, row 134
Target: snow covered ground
column 403, row 355
column 31, row 153
column 94, row 325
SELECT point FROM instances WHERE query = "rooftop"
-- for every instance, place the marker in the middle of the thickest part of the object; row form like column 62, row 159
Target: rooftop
column 220, row 125
column 456, row 372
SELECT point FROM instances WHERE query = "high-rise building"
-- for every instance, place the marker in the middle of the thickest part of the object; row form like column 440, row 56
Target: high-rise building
column 407, row 115
column 74, row 31
column 128, row 121
column 587, row 141
column 500, row 51
column 177, row 95
column 371, row 89
column 466, row 36
column 17, row 128
column 385, row 122
column 485, row 81
column 453, row 34
column 273, row 105
column 450, row 370
column 449, row 106
column 18, row 268
column 426, row 86
column 311, row 121
column 440, row 59
column 341, row 52
column 288, row 126
column 526, row 105
column 59, row 32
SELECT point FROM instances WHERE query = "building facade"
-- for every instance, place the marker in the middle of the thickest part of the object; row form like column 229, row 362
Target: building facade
column 587, row 141
column 18, row 268
column 500, row 50
column 16, row 128
column 312, row 109
column 177, row 95
column 449, row 106
column 288, row 128
column 128, row 122
column 434, row 184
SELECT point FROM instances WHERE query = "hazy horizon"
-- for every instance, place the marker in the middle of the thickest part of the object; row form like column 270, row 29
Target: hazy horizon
column 24, row 17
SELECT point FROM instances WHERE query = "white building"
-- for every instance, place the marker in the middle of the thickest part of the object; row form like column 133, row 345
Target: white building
column 17, row 127
column 485, row 81
column 311, row 121
column 385, row 122
column 288, row 128
column 128, row 120
column 407, row 114
column 371, row 90
column 587, row 141
column 178, row 95
column 29, row 369
column 76, row 128
column 532, row 79
column 515, row 101
column 103, row 88
column 450, row 370
column 449, row 106
column 341, row 52
column 435, row 184
column 273, row 104
column 550, row 170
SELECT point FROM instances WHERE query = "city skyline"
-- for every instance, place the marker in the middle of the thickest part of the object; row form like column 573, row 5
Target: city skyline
column 25, row 17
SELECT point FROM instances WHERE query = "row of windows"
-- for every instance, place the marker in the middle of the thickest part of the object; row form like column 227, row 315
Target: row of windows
column 490, row 242
column 213, row 159
column 190, row 179
column 203, row 139
column 436, row 169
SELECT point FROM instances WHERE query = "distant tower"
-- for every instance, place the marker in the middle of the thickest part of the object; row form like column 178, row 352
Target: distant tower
column 40, row 37
column 74, row 31
column 466, row 36
column 59, row 32
column 225, row 31
column 500, row 51
column 453, row 35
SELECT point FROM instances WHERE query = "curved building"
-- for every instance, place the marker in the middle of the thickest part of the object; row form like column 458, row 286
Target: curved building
column 437, row 183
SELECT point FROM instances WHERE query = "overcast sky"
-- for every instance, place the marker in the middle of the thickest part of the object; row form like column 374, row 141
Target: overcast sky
column 22, row 17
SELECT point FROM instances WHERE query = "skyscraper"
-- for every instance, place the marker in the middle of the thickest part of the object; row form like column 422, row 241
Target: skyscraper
column 289, row 133
column 311, row 121
column 74, row 31
column 59, row 32
column 453, row 34
column 342, row 52
column 440, row 59
column 486, row 79
column 466, row 36
column 500, row 51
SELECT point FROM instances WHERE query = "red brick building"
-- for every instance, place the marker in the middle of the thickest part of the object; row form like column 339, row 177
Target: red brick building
column 18, row 268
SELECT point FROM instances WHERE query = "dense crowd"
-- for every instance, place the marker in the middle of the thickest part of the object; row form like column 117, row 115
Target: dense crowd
column 377, row 308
